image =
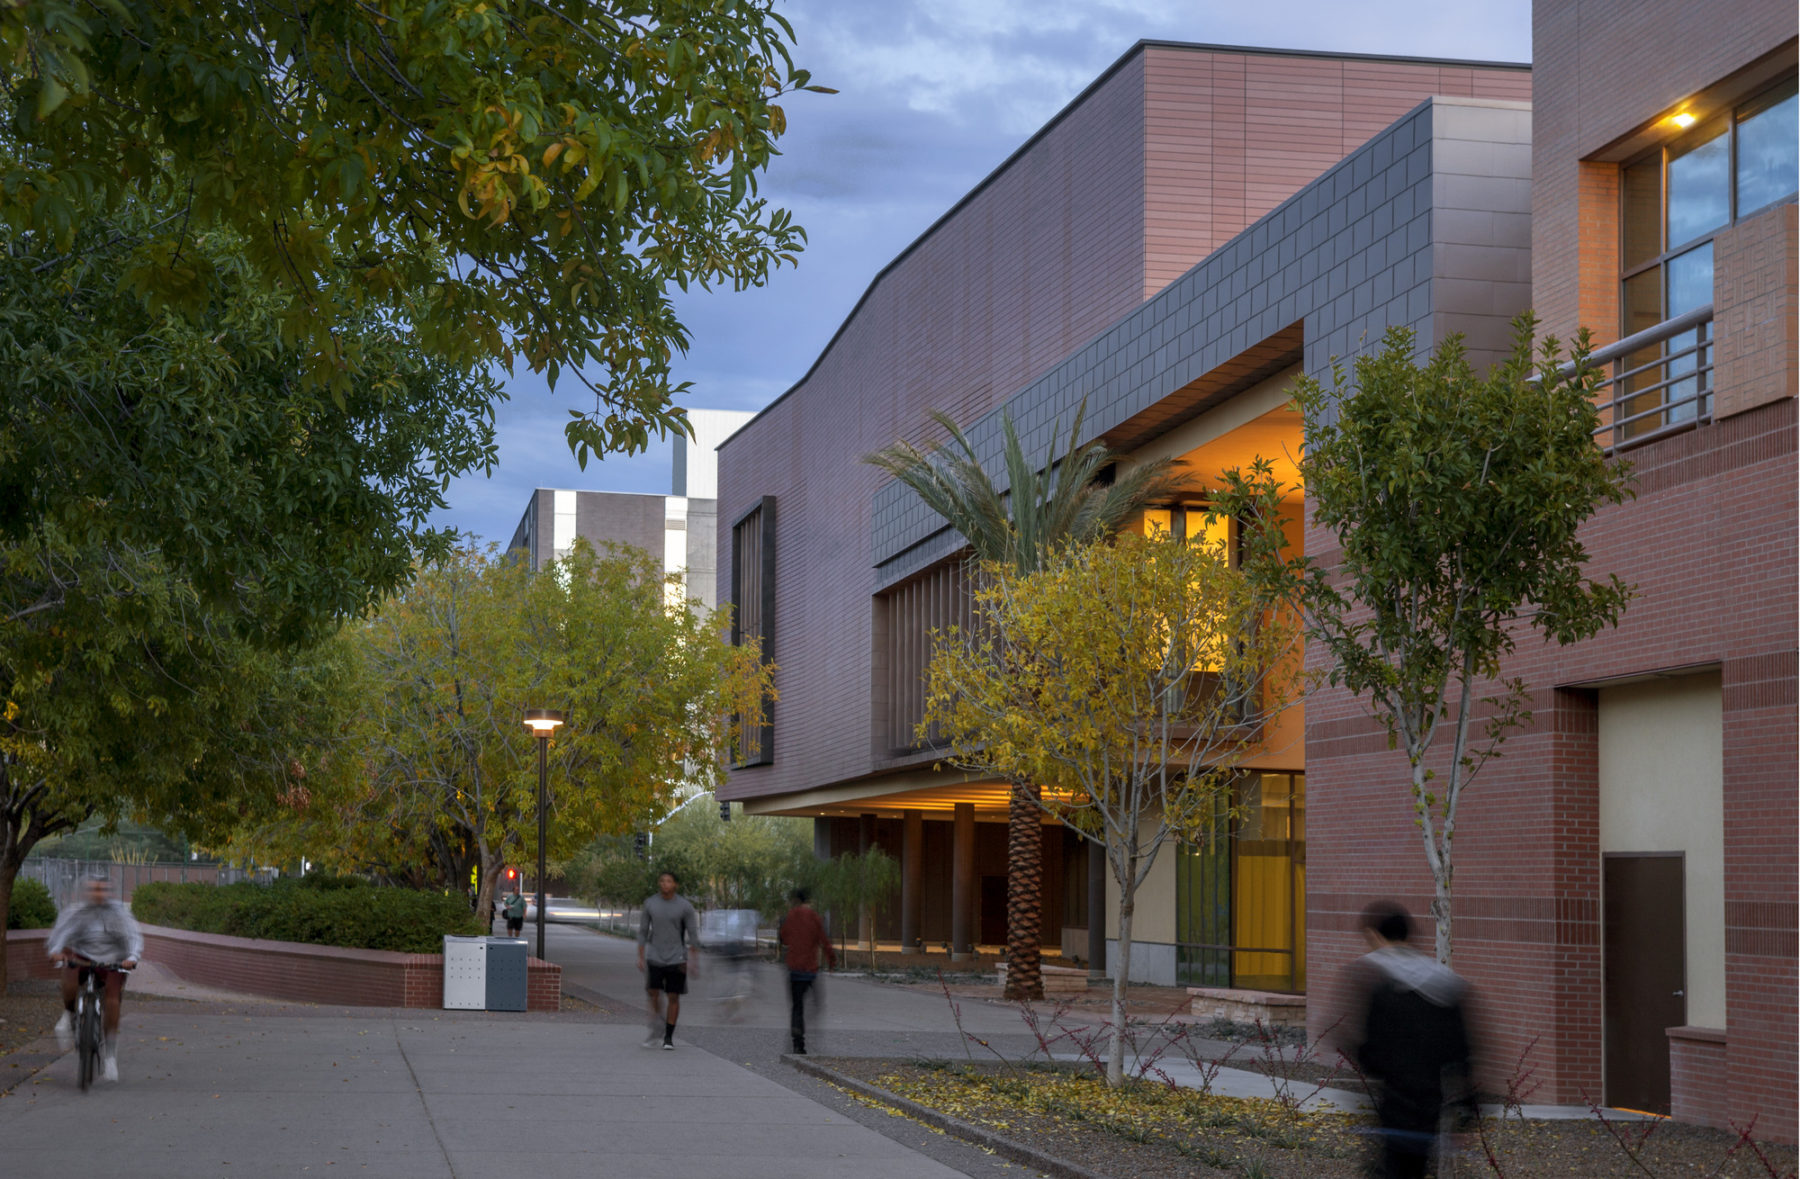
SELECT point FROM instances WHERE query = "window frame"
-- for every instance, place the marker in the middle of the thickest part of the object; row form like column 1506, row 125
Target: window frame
column 1733, row 118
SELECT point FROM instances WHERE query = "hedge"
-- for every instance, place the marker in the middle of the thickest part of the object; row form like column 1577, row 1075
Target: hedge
column 31, row 907
column 356, row 916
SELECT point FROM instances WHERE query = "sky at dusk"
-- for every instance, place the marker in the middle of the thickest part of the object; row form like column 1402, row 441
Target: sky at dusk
column 933, row 94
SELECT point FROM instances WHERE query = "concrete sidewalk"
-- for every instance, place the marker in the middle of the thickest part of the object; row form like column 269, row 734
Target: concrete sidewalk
column 427, row 1094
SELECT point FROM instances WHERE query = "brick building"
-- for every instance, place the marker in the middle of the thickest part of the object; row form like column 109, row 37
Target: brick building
column 1196, row 229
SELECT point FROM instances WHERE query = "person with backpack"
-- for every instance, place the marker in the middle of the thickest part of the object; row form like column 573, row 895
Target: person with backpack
column 1411, row 1038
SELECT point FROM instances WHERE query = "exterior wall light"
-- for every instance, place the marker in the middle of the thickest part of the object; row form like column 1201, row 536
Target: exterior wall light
column 1683, row 119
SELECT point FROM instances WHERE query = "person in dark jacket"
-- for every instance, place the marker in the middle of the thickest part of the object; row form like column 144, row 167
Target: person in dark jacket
column 1412, row 1041
column 802, row 934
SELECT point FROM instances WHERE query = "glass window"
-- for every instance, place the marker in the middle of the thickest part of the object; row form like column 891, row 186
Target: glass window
column 1240, row 905
column 1690, row 280
column 1768, row 150
column 1699, row 184
column 1642, row 212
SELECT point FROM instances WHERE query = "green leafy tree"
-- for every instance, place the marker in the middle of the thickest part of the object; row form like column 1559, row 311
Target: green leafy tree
column 1043, row 506
column 750, row 862
column 1132, row 679
column 1457, row 501
column 135, row 435
column 132, row 700
column 514, row 180
column 438, row 776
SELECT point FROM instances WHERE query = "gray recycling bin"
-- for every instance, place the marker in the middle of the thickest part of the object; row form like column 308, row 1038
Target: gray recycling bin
column 485, row 974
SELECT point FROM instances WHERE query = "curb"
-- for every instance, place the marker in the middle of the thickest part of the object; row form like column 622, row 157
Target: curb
column 955, row 1127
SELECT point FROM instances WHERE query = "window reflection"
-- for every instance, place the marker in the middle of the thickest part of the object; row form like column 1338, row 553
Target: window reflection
column 1699, row 185
column 1768, row 153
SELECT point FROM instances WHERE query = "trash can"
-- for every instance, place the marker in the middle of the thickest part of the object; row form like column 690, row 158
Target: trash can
column 508, row 979
column 485, row 974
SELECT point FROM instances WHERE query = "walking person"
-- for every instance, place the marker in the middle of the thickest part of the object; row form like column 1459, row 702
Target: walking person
column 668, row 946
column 1413, row 1042
column 100, row 933
column 803, row 936
column 514, row 908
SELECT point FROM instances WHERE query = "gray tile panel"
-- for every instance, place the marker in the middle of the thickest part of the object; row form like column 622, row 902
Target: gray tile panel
column 1425, row 226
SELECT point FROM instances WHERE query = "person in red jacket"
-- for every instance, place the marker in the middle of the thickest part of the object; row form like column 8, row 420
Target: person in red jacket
column 803, row 936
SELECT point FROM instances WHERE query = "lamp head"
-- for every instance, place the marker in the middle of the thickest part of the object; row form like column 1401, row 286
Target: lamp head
column 542, row 721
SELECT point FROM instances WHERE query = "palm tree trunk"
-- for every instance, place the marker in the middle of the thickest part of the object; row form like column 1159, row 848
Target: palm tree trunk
column 1024, row 895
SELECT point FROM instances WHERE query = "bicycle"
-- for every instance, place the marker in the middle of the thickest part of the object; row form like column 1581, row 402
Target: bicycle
column 90, row 1016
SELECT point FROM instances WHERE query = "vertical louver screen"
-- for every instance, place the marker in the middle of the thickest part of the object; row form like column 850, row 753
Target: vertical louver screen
column 934, row 601
column 753, row 614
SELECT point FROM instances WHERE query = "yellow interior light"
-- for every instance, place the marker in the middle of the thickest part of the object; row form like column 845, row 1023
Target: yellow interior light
column 1684, row 120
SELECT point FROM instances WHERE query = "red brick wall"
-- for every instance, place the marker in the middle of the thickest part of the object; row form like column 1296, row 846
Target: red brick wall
column 1228, row 136
column 1699, row 1077
column 329, row 975
column 1709, row 544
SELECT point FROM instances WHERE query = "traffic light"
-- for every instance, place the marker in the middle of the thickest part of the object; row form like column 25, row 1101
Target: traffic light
column 724, row 811
column 640, row 843
column 512, row 876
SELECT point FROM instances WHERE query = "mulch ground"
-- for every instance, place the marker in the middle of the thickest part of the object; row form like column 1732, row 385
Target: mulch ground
column 1150, row 1130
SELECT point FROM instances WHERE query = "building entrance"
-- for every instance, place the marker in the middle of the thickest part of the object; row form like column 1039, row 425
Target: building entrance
column 1645, row 948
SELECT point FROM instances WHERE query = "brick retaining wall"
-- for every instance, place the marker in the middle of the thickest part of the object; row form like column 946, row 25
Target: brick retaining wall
column 293, row 970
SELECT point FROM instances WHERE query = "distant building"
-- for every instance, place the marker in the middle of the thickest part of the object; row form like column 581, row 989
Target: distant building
column 681, row 528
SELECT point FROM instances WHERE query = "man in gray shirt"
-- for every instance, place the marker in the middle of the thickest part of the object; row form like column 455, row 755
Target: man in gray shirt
column 668, row 945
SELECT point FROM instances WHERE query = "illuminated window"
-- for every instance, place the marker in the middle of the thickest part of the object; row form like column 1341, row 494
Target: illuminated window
column 1240, row 902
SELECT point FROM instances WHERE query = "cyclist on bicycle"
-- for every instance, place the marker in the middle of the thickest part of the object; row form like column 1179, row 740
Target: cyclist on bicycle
column 100, row 932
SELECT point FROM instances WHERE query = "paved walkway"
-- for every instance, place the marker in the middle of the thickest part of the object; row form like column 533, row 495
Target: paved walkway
column 291, row 1090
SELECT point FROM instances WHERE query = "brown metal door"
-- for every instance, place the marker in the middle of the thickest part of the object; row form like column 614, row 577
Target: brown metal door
column 1645, row 948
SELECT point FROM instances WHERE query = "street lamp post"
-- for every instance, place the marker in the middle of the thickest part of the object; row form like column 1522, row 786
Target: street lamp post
column 542, row 722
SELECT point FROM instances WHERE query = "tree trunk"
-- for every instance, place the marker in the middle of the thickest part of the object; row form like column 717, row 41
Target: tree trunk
column 1024, row 894
column 1115, row 1051
column 1440, row 907
column 9, row 871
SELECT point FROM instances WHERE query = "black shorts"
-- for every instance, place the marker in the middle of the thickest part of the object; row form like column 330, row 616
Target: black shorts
column 514, row 925
column 670, row 980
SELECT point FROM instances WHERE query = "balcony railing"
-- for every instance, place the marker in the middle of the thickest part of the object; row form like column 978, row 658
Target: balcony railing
column 1661, row 380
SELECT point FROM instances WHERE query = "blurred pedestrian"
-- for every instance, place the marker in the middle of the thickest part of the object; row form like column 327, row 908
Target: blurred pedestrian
column 514, row 908
column 1412, row 1040
column 803, row 936
column 668, row 946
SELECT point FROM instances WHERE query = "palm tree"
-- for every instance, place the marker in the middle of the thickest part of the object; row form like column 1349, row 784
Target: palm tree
column 1042, row 509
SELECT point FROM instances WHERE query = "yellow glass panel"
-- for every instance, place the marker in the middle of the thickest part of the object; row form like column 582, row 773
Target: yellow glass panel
column 1215, row 530
column 1267, row 887
column 1157, row 522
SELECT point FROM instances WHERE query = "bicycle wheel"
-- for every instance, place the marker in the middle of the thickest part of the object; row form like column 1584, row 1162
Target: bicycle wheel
column 87, row 1033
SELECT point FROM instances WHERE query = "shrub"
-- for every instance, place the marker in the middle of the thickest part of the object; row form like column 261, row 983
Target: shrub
column 355, row 915
column 32, row 907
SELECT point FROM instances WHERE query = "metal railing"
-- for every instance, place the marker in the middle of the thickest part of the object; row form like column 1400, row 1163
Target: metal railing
column 1661, row 380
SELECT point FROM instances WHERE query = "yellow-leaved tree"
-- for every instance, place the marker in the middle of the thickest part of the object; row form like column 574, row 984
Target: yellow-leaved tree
column 1131, row 678
column 435, row 777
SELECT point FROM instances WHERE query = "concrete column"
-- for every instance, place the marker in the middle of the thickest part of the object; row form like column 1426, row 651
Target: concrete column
column 1096, row 882
column 912, row 886
column 962, row 883
column 865, row 920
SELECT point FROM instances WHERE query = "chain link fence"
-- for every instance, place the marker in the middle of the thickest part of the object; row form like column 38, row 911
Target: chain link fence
column 64, row 877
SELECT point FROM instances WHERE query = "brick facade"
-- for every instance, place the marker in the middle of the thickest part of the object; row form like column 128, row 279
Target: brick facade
column 1755, row 272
